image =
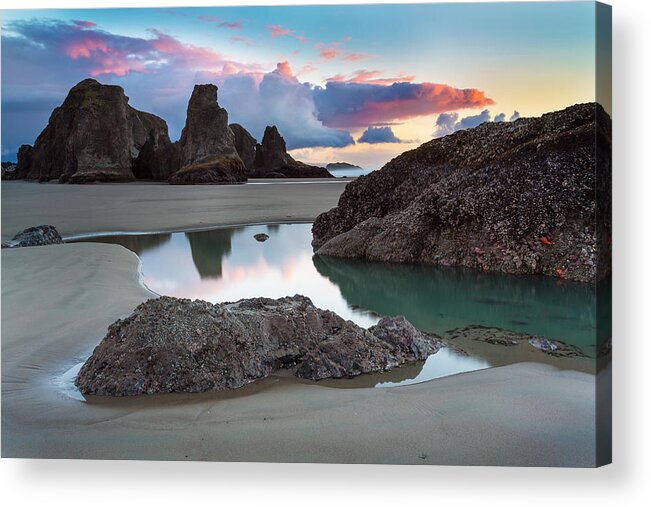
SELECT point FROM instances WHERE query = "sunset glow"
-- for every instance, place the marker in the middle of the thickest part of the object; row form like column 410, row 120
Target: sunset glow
column 322, row 77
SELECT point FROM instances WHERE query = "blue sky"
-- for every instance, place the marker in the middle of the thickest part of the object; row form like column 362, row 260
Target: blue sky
column 342, row 68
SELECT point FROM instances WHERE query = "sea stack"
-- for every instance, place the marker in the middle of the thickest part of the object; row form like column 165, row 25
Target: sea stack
column 273, row 161
column 517, row 197
column 158, row 159
column 207, row 144
column 245, row 145
column 93, row 136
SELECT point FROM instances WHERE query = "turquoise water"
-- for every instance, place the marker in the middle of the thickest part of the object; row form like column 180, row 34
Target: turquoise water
column 229, row 264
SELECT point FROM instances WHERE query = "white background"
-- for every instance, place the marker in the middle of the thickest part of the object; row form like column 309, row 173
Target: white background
column 626, row 482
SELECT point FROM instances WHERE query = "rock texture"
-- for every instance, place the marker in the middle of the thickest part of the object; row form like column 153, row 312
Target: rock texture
column 158, row 159
column 273, row 161
column 333, row 166
column 178, row 345
column 508, row 338
column 35, row 236
column 245, row 145
column 8, row 169
column 93, row 136
column 516, row 197
column 207, row 144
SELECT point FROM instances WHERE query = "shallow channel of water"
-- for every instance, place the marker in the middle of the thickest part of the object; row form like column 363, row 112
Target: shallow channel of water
column 228, row 264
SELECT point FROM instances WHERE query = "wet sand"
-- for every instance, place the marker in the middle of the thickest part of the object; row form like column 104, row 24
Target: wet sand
column 145, row 207
column 58, row 300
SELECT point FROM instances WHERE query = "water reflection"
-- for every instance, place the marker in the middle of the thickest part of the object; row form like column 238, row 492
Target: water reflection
column 445, row 362
column 229, row 264
column 138, row 243
column 208, row 248
column 438, row 299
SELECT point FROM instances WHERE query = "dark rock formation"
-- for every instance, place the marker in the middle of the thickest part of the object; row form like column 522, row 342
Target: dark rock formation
column 24, row 161
column 262, row 237
column 333, row 166
column 508, row 338
column 245, row 145
column 158, row 159
column 178, row 345
column 516, row 197
column 35, row 236
column 8, row 169
column 92, row 136
column 273, row 161
column 207, row 144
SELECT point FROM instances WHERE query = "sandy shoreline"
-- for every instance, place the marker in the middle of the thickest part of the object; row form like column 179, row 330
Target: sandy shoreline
column 58, row 301
column 148, row 207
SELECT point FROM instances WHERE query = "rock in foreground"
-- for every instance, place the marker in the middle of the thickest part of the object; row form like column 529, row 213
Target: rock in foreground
column 35, row 236
column 177, row 345
column 517, row 197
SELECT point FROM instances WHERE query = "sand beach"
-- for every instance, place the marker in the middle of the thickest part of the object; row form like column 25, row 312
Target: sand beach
column 58, row 300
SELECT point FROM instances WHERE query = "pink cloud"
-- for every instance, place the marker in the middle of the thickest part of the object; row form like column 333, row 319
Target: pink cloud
column 307, row 68
column 106, row 60
column 110, row 54
column 371, row 77
column 279, row 31
column 241, row 39
column 220, row 23
column 330, row 53
column 189, row 54
column 209, row 19
column 337, row 78
column 348, row 104
column 355, row 57
column 283, row 69
column 232, row 25
column 84, row 24
column 332, row 50
column 83, row 48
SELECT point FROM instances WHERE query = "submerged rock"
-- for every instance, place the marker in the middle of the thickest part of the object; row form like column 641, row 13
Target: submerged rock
column 262, row 237
column 543, row 344
column 178, row 345
column 93, row 136
column 272, row 160
column 517, row 197
column 508, row 338
column 35, row 236
column 207, row 144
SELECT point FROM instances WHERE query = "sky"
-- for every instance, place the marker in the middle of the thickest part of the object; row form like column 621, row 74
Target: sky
column 356, row 83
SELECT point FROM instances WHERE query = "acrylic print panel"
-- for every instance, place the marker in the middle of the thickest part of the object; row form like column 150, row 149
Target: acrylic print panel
column 276, row 234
